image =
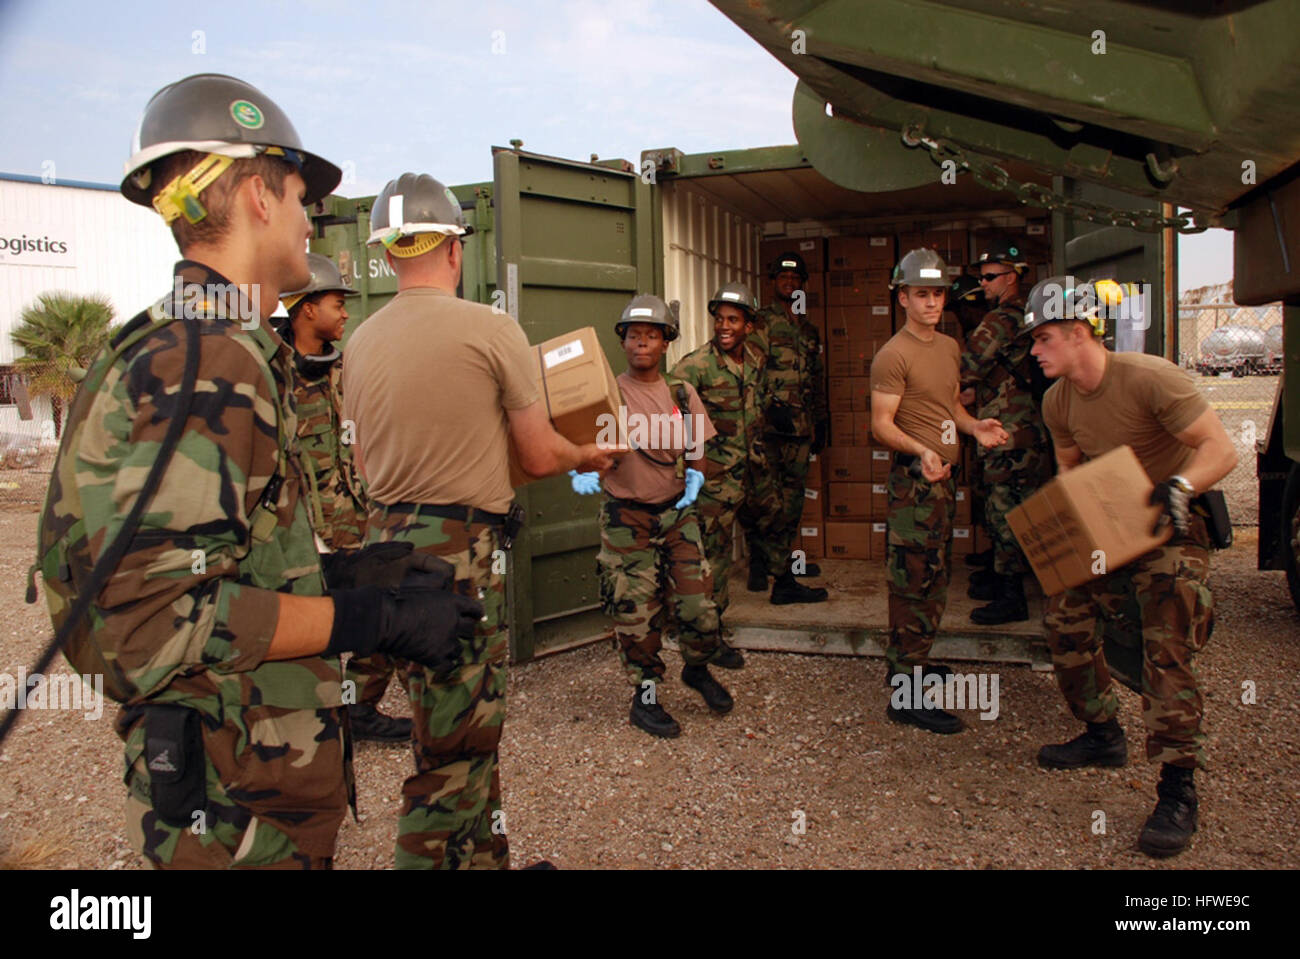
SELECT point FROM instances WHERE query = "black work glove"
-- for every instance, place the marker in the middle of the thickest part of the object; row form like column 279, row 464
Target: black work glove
column 780, row 416
column 419, row 621
column 381, row 564
column 819, row 436
column 1176, row 497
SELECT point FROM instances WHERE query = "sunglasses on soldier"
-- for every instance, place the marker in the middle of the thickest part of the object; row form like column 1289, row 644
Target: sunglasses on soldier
column 990, row 277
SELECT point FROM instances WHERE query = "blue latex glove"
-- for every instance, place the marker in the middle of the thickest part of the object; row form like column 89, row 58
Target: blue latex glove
column 694, row 480
column 585, row 483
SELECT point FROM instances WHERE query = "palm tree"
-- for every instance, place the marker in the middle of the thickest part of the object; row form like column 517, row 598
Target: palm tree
column 60, row 334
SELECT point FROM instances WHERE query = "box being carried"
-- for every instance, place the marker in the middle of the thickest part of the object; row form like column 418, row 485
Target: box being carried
column 1088, row 522
column 579, row 390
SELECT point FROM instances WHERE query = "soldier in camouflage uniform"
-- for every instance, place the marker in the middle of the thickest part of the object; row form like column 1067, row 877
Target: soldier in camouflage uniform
column 316, row 321
column 914, row 411
column 210, row 624
column 440, row 390
column 1161, row 600
column 798, row 421
column 652, row 563
column 997, row 365
column 727, row 373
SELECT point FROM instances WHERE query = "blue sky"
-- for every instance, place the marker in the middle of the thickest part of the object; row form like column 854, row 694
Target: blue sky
column 382, row 87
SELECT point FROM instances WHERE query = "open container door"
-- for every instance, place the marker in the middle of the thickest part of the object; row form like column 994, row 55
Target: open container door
column 574, row 242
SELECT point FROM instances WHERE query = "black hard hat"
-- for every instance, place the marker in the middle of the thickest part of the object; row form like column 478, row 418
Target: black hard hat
column 788, row 261
column 648, row 308
column 217, row 114
column 1002, row 249
column 965, row 290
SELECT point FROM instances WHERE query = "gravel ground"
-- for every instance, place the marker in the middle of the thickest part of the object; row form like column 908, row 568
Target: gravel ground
column 808, row 735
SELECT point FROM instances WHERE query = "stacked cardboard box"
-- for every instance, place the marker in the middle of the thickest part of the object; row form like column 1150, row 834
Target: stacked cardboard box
column 812, row 521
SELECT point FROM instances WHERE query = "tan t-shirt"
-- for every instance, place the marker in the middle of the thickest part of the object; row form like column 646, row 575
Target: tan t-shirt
column 1141, row 401
column 430, row 377
column 664, row 437
column 925, row 375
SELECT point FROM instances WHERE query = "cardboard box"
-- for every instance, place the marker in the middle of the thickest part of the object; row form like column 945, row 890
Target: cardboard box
column 848, row 464
column 879, row 501
column 909, row 241
column 849, row 501
column 811, row 541
column 849, row 253
column 962, row 540
column 814, row 292
column 814, row 479
column 578, row 387
column 1088, row 521
column 842, row 429
column 846, row 288
column 862, row 429
column 881, row 460
column 839, row 394
column 816, row 315
column 879, row 539
column 861, row 353
column 849, row 322
column 860, row 393
column 880, row 252
column 813, row 506
column 962, row 515
column 811, row 248
column 847, row 540
column 982, row 541
column 950, row 244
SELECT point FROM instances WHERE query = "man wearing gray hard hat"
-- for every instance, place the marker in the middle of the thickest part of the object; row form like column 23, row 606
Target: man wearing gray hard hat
column 441, row 390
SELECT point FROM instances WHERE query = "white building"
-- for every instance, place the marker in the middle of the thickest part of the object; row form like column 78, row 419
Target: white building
column 80, row 238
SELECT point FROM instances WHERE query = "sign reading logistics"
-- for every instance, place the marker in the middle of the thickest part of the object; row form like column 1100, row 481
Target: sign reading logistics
column 36, row 244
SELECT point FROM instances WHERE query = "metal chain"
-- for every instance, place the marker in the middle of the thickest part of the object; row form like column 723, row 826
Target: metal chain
column 993, row 177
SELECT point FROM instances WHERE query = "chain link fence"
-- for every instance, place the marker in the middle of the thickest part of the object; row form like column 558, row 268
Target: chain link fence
column 1235, row 352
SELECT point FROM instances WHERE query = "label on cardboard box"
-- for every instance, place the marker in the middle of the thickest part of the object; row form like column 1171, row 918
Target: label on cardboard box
column 1035, row 229
column 878, row 241
column 880, row 311
column 568, row 351
column 810, row 493
column 1089, row 521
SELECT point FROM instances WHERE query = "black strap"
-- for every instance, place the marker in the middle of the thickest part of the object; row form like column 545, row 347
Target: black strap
column 112, row 556
column 464, row 514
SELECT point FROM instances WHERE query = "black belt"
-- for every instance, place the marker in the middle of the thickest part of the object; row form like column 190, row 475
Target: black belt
column 465, row 514
column 648, row 507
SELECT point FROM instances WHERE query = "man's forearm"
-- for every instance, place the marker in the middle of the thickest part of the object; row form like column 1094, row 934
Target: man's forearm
column 893, row 437
column 303, row 628
column 1210, row 463
column 964, row 421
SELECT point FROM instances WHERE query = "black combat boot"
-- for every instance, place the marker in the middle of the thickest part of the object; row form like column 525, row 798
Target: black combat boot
column 1009, row 607
column 982, row 558
column 730, row 657
column 1102, row 745
column 1169, row 828
column 757, row 575
column 929, row 669
column 369, row 724
column 786, row 590
column 932, row 720
column 810, row 569
column 983, row 585
column 715, row 695
column 653, row 718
